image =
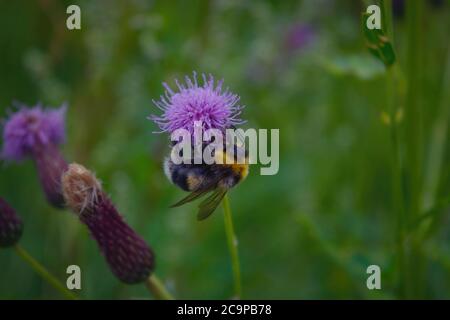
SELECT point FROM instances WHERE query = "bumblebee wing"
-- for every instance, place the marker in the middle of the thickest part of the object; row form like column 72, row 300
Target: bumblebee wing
column 191, row 197
column 209, row 205
column 210, row 186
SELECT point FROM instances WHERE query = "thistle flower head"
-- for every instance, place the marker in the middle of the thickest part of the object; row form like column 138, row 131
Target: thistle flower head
column 30, row 129
column 11, row 225
column 36, row 132
column 207, row 103
column 127, row 254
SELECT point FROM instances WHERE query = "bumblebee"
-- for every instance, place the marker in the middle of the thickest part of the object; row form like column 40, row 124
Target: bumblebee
column 202, row 179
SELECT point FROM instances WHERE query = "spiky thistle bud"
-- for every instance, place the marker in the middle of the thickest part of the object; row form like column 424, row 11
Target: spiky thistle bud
column 127, row 254
column 36, row 133
column 11, row 226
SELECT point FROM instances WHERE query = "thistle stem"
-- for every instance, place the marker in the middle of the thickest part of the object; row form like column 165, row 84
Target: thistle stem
column 413, row 130
column 398, row 196
column 157, row 288
column 232, row 246
column 44, row 273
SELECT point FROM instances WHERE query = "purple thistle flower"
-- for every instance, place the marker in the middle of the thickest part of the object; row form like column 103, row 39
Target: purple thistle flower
column 207, row 103
column 128, row 256
column 11, row 226
column 36, row 133
column 29, row 130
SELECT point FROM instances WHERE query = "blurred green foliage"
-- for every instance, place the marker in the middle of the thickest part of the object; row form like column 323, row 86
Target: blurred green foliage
column 308, row 232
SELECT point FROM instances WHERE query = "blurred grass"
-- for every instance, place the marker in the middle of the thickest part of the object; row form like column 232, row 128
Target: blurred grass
column 308, row 232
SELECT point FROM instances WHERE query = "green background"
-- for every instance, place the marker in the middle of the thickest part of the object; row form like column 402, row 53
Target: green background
column 308, row 232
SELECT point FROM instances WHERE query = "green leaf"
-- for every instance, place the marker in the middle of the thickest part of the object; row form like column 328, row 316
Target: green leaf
column 434, row 214
column 378, row 43
column 362, row 66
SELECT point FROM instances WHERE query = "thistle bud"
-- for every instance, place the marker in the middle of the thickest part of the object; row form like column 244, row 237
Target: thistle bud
column 36, row 133
column 11, row 226
column 129, row 257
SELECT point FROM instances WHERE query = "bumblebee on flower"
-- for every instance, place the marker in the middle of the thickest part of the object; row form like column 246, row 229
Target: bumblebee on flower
column 196, row 109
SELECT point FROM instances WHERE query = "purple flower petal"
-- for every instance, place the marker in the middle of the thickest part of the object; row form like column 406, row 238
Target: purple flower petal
column 208, row 103
column 29, row 129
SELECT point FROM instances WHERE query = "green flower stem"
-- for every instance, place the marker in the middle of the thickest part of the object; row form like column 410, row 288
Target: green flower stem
column 398, row 196
column 157, row 288
column 436, row 157
column 414, row 140
column 232, row 246
column 392, row 74
column 43, row 272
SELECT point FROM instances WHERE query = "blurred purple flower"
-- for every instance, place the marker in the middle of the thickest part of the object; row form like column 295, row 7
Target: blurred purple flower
column 128, row 256
column 36, row 133
column 11, row 226
column 299, row 36
column 398, row 6
column 29, row 130
column 207, row 103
